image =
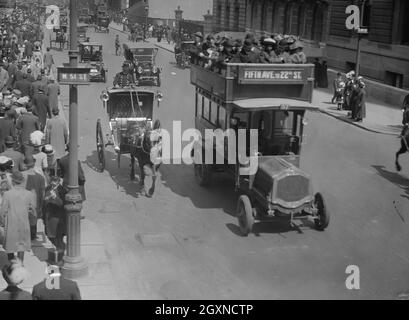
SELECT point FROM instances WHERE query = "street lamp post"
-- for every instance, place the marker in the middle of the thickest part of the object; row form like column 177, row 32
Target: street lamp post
column 360, row 35
column 146, row 21
column 74, row 265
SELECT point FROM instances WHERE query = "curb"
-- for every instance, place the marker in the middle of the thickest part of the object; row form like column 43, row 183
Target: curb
column 355, row 124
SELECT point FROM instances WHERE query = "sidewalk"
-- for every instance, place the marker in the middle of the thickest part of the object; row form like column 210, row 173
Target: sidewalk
column 99, row 283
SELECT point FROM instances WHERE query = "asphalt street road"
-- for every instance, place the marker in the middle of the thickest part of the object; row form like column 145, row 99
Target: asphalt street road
column 184, row 242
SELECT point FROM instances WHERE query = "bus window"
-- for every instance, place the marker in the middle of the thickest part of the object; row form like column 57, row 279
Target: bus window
column 222, row 118
column 213, row 112
column 206, row 109
column 199, row 106
column 283, row 122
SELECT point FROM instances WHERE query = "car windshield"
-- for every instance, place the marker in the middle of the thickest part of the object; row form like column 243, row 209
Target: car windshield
column 279, row 132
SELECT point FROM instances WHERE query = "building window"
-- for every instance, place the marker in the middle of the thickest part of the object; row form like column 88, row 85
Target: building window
column 263, row 21
column 273, row 17
column 227, row 15
column 405, row 24
column 253, row 14
column 366, row 22
column 219, row 15
column 317, row 23
column 301, row 20
column 236, row 16
column 394, row 79
column 287, row 18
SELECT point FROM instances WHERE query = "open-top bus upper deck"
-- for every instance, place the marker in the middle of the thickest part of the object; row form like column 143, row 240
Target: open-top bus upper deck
column 247, row 82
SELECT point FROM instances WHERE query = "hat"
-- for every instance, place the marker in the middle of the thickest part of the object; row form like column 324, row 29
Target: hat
column 227, row 44
column 269, row 41
column 17, row 92
column 248, row 42
column 36, row 138
column 209, row 37
column 48, row 149
column 29, row 161
column 55, row 111
column 9, row 140
column 17, row 177
column 198, row 34
column 4, row 160
column 14, row 273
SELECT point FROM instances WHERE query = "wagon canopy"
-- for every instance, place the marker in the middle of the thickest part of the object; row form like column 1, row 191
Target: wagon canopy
column 121, row 101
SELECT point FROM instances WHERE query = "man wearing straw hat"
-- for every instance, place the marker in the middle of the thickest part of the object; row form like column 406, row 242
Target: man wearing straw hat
column 17, row 208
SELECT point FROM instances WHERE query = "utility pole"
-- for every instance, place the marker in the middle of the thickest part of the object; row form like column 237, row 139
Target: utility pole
column 360, row 35
column 74, row 265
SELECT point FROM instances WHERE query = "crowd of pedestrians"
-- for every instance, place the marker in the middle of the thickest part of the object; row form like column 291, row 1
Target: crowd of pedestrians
column 33, row 152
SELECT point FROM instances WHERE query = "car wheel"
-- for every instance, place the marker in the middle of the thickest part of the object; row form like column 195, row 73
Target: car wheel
column 245, row 215
column 323, row 215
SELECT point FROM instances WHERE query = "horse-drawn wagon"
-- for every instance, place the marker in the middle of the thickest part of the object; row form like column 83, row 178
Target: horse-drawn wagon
column 268, row 103
column 130, row 114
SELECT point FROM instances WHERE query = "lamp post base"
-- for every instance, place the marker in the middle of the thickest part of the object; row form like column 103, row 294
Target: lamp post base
column 74, row 267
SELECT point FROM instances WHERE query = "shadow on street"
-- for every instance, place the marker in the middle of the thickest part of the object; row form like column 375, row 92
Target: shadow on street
column 397, row 179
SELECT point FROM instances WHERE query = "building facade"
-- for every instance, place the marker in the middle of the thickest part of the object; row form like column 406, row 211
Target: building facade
column 384, row 51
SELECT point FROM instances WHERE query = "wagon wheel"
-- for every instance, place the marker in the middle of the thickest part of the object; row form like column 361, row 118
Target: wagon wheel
column 100, row 147
column 245, row 215
column 323, row 215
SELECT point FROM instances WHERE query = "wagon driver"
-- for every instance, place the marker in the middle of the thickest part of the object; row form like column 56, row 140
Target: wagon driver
column 124, row 78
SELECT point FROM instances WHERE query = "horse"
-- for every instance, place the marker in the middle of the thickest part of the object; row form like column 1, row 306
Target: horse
column 147, row 150
column 404, row 137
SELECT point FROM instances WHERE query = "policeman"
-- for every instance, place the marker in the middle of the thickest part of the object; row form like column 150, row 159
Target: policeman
column 124, row 78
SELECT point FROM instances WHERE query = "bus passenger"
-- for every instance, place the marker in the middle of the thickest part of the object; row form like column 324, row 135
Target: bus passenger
column 296, row 53
column 268, row 55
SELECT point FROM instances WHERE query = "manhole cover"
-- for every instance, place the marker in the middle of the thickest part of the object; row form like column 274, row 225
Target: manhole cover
column 157, row 239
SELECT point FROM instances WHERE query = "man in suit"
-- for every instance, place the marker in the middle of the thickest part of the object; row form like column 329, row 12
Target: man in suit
column 36, row 85
column 48, row 60
column 65, row 290
column 24, row 86
column 16, row 156
column 41, row 107
column 27, row 124
column 6, row 128
column 57, row 134
column 4, row 78
column 53, row 92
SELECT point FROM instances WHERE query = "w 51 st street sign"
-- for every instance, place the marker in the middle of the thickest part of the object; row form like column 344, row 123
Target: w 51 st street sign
column 73, row 76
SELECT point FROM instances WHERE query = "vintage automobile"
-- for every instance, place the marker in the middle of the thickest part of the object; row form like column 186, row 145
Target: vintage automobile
column 145, row 70
column 91, row 53
column 269, row 102
column 102, row 24
column 182, row 54
column 127, row 108
column 82, row 32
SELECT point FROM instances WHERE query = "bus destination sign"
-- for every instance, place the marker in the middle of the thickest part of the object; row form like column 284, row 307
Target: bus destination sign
column 248, row 75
